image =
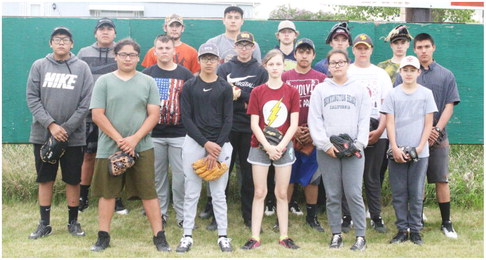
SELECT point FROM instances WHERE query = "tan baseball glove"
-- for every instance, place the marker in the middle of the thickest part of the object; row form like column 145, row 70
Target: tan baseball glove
column 201, row 169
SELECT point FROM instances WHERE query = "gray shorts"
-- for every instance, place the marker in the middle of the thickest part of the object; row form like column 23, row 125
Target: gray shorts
column 438, row 169
column 259, row 157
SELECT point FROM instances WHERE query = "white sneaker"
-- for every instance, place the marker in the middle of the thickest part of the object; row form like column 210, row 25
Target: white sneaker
column 269, row 210
column 424, row 217
column 225, row 244
column 448, row 230
column 185, row 245
column 368, row 213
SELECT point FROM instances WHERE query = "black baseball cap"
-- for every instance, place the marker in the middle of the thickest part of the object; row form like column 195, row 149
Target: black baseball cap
column 340, row 28
column 105, row 21
column 62, row 30
column 305, row 41
column 399, row 33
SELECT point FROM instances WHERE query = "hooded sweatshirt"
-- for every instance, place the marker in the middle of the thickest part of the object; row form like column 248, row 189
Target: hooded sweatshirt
column 101, row 60
column 59, row 91
column 339, row 109
column 246, row 76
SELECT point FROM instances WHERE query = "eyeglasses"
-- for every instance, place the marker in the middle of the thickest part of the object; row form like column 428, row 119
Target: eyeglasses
column 57, row 40
column 245, row 46
column 209, row 59
column 124, row 55
column 337, row 64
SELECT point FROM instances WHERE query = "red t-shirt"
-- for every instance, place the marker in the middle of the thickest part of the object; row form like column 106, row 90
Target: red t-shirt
column 185, row 56
column 273, row 106
column 305, row 84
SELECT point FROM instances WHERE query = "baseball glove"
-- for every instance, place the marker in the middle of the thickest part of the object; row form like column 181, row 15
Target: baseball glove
column 201, row 168
column 374, row 124
column 345, row 145
column 119, row 163
column 439, row 139
column 408, row 150
column 52, row 150
column 303, row 145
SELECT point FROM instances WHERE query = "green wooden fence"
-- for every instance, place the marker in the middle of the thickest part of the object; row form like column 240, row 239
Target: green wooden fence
column 459, row 48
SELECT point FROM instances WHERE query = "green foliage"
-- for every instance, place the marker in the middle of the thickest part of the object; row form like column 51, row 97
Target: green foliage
column 369, row 13
column 452, row 15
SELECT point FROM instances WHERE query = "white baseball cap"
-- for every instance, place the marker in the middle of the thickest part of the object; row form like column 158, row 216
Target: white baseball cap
column 286, row 25
column 410, row 61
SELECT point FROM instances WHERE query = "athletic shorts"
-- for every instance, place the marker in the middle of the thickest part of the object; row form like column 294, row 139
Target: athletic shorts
column 91, row 138
column 259, row 157
column 438, row 169
column 139, row 180
column 71, row 162
column 304, row 170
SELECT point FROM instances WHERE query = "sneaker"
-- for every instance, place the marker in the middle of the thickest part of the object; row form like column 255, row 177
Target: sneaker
column 346, row 224
column 368, row 215
column 400, row 237
column 251, row 244
column 181, row 224
column 314, row 223
column 83, row 204
column 184, row 245
column 164, row 220
column 225, row 244
column 208, row 211
column 119, row 208
column 288, row 243
column 75, row 229
column 416, row 238
column 102, row 243
column 295, row 209
column 336, row 241
column 359, row 244
column 213, row 225
column 448, row 229
column 41, row 231
column 160, row 242
column 378, row 225
column 424, row 218
column 269, row 209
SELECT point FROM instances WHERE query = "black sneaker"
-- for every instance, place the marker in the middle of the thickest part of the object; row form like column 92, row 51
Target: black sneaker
column 41, row 231
column 288, row 243
column 75, row 229
column 359, row 244
column 184, row 245
column 208, row 210
column 225, row 244
column 346, row 224
column 336, row 241
column 295, row 209
column 270, row 208
column 416, row 238
column 251, row 244
column 400, row 237
column 213, row 225
column 160, row 242
column 119, row 208
column 83, row 204
column 448, row 229
column 378, row 225
column 102, row 243
column 314, row 223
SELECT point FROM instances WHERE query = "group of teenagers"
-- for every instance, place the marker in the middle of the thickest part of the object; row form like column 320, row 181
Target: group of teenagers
column 214, row 103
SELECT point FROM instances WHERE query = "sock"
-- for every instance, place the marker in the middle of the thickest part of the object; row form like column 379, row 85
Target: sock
column 73, row 214
column 45, row 212
column 311, row 211
column 223, row 236
column 84, row 191
column 257, row 238
column 188, row 236
column 445, row 211
column 283, row 237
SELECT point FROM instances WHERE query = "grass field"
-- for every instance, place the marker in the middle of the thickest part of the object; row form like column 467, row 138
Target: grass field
column 131, row 236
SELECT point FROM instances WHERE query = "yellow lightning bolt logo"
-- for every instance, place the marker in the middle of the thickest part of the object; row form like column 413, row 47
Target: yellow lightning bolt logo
column 274, row 113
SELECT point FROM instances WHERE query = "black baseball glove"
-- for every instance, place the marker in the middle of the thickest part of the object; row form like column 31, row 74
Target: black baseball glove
column 273, row 136
column 345, row 145
column 374, row 124
column 52, row 150
column 119, row 163
column 408, row 150
column 439, row 139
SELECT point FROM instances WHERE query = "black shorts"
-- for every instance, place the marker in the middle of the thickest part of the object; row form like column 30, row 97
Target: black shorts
column 91, row 138
column 438, row 169
column 70, row 162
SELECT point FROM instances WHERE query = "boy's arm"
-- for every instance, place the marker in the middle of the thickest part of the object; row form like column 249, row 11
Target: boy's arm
column 100, row 119
column 442, row 123
column 129, row 143
column 227, row 116
column 429, row 118
column 398, row 155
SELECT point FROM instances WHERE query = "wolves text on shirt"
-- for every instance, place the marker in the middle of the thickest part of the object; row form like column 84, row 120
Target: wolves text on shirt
column 59, row 80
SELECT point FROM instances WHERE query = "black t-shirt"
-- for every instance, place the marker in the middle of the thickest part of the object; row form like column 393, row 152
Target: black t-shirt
column 169, row 84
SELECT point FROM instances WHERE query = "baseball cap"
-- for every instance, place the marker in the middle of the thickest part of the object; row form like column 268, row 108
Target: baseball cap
column 174, row 18
column 207, row 48
column 244, row 37
column 410, row 61
column 305, row 41
column 339, row 29
column 363, row 38
column 399, row 33
column 104, row 21
column 63, row 30
column 286, row 25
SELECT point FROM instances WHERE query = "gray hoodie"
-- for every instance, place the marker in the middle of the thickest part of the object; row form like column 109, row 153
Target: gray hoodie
column 338, row 109
column 101, row 60
column 59, row 91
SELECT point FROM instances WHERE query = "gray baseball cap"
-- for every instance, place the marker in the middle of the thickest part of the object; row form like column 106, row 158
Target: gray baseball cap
column 208, row 48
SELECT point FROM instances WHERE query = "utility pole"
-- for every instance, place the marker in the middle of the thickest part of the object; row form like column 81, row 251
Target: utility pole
column 418, row 15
